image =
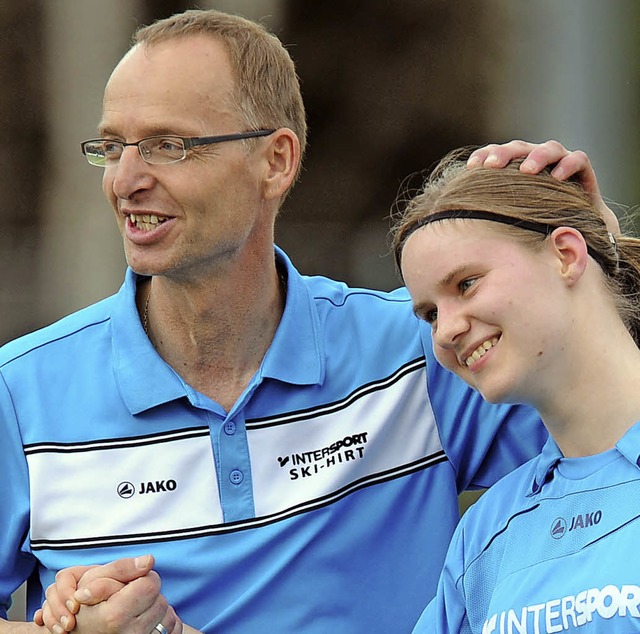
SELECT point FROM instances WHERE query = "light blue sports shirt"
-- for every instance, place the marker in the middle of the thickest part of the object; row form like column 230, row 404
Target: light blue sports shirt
column 323, row 501
column 551, row 548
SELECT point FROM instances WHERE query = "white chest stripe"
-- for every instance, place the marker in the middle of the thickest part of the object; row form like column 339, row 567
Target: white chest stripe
column 157, row 486
column 319, row 458
column 165, row 486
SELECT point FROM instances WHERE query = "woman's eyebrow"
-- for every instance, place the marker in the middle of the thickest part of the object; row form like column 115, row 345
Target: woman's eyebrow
column 446, row 280
column 421, row 308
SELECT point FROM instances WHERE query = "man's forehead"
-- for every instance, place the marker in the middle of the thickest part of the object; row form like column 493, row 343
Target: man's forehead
column 185, row 77
column 194, row 59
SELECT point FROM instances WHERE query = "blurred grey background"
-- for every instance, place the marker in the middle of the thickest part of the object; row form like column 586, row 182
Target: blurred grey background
column 389, row 88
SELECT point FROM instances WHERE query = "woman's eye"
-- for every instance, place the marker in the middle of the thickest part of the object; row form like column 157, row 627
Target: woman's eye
column 431, row 315
column 465, row 285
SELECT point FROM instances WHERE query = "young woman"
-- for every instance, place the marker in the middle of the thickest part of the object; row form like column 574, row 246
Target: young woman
column 532, row 300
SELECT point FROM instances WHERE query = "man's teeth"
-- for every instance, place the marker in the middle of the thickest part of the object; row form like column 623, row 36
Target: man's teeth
column 481, row 350
column 145, row 222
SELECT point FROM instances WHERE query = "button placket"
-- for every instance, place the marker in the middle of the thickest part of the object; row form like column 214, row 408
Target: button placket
column 236, row 490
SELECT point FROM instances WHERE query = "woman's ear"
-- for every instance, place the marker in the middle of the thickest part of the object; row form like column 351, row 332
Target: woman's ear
column 283, row 158
column 570, row 249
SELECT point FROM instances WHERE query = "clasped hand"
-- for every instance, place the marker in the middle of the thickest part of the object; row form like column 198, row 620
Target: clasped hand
column 122, row 596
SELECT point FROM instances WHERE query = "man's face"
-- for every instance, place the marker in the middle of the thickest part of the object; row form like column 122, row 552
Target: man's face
column 184, row 218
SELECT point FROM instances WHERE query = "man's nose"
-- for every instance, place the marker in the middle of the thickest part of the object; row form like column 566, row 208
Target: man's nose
column 131, row 174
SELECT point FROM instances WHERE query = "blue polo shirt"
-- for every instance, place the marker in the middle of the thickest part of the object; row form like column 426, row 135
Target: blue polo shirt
column 323, row 501
column 551, row 548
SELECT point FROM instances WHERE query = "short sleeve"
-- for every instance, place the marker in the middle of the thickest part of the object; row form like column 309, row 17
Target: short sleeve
column 446, row 613
column 16, row 561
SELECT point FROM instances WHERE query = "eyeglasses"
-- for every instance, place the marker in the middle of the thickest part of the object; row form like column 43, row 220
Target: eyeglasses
column 157, row 150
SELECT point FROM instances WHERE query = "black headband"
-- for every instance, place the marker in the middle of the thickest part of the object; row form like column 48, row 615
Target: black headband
column 475, row 214
column 529, row 225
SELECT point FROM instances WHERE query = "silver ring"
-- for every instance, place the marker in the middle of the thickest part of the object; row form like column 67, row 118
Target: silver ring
column 161, row 629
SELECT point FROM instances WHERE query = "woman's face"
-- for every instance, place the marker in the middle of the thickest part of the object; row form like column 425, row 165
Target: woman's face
column 496, row 307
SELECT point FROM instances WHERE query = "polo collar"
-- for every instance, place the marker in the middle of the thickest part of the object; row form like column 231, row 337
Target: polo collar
column 628, row 446
column 296, row 354
column 547, row 461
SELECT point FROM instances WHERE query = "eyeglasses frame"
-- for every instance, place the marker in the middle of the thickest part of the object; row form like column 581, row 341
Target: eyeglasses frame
column 187, row 141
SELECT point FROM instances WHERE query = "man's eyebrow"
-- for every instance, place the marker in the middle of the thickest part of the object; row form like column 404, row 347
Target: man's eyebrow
column 104, row 130
column 108, row 131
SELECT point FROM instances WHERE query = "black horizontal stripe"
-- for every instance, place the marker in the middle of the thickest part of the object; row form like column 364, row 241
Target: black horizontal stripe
column 336, row 406
column 247, row 524
column 116, row 443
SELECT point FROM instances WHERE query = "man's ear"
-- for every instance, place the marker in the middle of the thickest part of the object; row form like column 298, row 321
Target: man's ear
column 570, row 249
column 283, row 158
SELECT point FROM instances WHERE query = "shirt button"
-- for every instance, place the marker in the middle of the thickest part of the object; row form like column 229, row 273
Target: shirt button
column 230, row 428
column 236, row 476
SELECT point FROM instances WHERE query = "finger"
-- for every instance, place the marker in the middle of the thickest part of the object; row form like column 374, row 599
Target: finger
column 38, row 617
column 123, row 570
column 498, row 155
column 173, row 625
column 543, row 155
column 536, row 156
column 140, row 594
column 53, row 623
column 57, row 613
column 171, row 622
column 577, row 163
column 97, row 591
column 137, row 607
column 572, row 164
column 67, row 582
column 61, row 593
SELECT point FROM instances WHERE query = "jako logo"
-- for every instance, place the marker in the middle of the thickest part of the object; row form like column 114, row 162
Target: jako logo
column 582, row 520
column 558, row 528
column 127, row 490
column 585, row 520
column 157, row 487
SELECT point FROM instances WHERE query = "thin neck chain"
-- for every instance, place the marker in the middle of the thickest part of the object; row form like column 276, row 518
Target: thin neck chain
column 145, row 315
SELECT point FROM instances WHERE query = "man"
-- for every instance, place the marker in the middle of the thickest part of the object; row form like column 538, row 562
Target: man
column 287, row 448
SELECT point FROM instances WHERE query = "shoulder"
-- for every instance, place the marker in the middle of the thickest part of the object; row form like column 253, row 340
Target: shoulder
column 507, row 498
column 337, row 300
column 332, row 301
column 55, row 337
column 372, row 322
column 339, row 294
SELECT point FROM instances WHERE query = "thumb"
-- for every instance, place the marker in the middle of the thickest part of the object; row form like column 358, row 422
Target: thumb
column 97, row 591
column 122, row 570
